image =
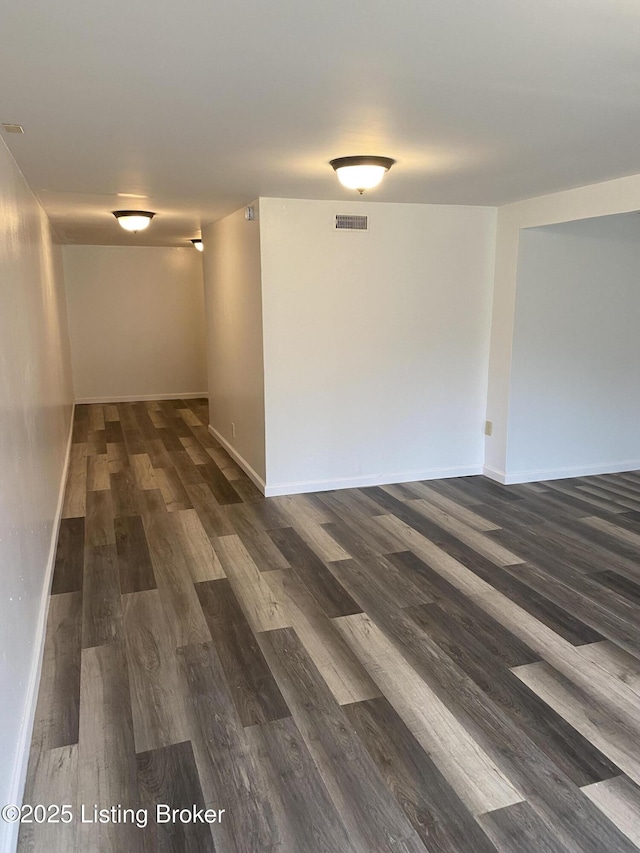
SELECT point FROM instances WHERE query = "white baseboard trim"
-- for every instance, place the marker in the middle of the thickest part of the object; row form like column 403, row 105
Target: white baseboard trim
column 560, row 473
column 142, row 398
column 242, row 462
column 9, row 839
column 371, row 480
column 494, row 474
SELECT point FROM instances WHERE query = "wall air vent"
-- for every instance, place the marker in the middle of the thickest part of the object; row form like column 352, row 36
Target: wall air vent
column 349, row 222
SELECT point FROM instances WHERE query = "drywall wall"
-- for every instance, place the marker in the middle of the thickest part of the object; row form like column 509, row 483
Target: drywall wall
column 376, row 344
column 234, row 320
column 136, row 321
column 610, row 197
column 35, row 418
column 575, row 384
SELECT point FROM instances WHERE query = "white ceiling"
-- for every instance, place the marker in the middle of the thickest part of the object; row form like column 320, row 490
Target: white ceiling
column 203, row 106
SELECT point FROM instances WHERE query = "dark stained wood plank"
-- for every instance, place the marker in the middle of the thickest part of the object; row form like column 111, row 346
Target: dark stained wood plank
column 264, row 551
column 607, row 728
column 101, row 606
column 188, row 472
column 131, row 431
column 554, row 549
column 196, row 451
column 621, row 585
column 231, row 773
column 145, row 424
column 442, row 529
column 158, row 453
column 518, row 829
column 476, row 489
column 221, row 488
column 214, row 521
column 170, row 439
column 69, row 565
column 377, row 578
column 168, row 776
column 113, row 432
column 255, row 693
column 75, row 494
column 151, row 503
column 97, row 443
column 248, row 491
column 172, row 490
column 134, row 562
column 309, row 819
column 99, row 529
column 117, row 458
column 615, row 617
column 57, row 712
column 372, row 816
column 52, row 778
column 430, row 803
column 185, row 620
column 106, row 753
column 342, row 671
column 563, row 623
column 157, row 699
column 327, row 591
column 563, row 745
column 124, row 494
column 97, row 473
column 80, row 433
column 500, row 642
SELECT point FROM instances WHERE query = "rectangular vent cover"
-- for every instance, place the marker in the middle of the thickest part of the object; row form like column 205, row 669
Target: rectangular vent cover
column 349, row 222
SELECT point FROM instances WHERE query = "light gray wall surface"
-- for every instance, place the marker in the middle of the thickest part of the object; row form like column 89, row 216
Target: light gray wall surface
column 136, row 321
column 35, row 416
column 233, row 289
column 575, row 378
column 376, row 344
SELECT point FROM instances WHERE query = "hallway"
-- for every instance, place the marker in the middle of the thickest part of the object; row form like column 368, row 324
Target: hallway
column 449, row 666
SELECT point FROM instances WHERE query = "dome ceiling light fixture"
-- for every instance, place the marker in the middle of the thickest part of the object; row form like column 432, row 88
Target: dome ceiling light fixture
column 197, row 242
column 361, row 173
column 133, row 220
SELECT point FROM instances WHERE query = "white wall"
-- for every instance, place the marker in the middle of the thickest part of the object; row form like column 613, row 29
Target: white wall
column 35, row 416
column 232, row 276
column 376, row 344
column 619, row 196
column 136, row 321
column 575, row 384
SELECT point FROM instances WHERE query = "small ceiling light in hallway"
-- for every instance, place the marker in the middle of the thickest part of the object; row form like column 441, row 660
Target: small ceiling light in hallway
column 133, row 220
column 197, row 242
column 361, row 173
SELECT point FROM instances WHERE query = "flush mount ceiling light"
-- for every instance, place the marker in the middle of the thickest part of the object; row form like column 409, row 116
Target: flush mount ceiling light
column 133, row 220
column 361, row 173
column 197, row 242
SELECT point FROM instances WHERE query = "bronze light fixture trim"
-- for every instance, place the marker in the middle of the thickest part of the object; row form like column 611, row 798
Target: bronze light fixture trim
column 133, row 220
column 362, row 172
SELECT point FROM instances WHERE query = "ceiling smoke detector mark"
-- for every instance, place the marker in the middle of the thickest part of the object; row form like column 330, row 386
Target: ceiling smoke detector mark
column 13, row 128
column 351, row 222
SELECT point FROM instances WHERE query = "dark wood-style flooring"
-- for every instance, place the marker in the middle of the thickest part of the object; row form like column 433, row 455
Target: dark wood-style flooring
column 448, row 666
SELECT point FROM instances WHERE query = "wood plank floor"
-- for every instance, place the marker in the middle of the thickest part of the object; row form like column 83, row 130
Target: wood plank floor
column 450, row 666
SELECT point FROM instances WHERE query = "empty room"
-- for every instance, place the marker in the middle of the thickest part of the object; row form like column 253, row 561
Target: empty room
column 320, row 393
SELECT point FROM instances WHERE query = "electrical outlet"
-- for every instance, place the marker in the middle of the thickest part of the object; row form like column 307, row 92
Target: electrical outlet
column 233, row 430
column 488, row 427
